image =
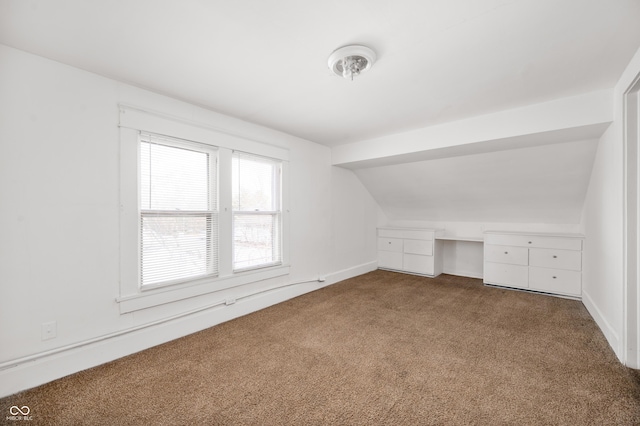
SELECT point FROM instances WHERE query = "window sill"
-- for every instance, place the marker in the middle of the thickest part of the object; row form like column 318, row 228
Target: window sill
column 168, row 294
column 257, row 268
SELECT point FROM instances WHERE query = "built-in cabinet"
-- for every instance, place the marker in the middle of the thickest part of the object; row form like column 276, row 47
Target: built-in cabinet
column 548, row 263
column 542, row 262
column 411, row 250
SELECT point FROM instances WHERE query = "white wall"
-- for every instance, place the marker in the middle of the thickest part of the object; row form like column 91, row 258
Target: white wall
column 59, row 223
column 603, row 285
column 354, row 223
column 542, row 184
column 602, row 222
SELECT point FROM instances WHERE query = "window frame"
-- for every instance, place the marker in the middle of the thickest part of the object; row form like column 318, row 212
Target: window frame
column 212, row 213
column 132, row 121
column 276, row 184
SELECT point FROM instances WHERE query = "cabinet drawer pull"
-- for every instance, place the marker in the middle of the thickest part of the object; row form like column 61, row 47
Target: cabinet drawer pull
column 555, row 257
column 506, row 252
column 554, row 277
column 529, row 242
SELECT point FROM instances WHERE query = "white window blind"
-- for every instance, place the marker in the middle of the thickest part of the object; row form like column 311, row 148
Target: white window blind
column 178, row 210
column 257, row 218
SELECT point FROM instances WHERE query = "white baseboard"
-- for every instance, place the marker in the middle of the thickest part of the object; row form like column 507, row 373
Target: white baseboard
column 35, row 370
column 352, row 272
column 469, row 274
column 606, row 328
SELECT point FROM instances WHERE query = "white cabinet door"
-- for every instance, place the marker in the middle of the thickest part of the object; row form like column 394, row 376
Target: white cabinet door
column 507, row 275
column 560, row 281
column 418, row 247
column 418, row 264
column 390, row 260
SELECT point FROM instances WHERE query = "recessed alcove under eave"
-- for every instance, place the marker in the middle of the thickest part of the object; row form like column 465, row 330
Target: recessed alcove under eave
column 534, row 189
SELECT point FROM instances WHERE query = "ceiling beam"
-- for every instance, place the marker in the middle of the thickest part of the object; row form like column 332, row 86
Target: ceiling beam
column 583, row 117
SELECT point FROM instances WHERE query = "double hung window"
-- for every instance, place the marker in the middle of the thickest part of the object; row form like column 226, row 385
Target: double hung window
column 178, row 210
column 257, row 218
column 197, row 216
column 179, row 213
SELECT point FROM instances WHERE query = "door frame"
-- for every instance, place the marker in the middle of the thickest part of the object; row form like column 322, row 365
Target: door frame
column 631, row 225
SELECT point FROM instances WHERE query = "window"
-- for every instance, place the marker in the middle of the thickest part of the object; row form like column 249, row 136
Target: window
column 257, row 219
column 178, row 210
column 194, row 218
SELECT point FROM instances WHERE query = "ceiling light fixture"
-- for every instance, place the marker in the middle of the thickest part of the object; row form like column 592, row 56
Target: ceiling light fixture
column 350, row 61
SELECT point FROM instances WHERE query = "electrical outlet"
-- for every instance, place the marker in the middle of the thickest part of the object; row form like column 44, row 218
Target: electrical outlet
column 49, row 330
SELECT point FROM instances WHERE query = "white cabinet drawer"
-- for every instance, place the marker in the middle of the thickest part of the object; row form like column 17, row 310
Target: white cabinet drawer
column 558, row 259
column 418, row 264
column 559, row 281
column 534, row 241
column 419, row 235
column 390, row 260
column 506, row 254
column 390, row 244
column 507, row 275
column 418, row 247
column 414, row 234
column 390, row 233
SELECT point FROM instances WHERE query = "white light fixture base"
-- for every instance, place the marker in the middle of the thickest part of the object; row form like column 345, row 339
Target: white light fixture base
column 351, row 61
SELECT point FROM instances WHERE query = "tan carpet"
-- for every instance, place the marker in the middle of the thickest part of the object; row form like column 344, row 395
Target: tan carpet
column 382, row 348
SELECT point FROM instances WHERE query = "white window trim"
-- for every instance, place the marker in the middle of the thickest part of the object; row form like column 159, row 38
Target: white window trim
column 213, row 211
column 278, row 191
column 131, row 296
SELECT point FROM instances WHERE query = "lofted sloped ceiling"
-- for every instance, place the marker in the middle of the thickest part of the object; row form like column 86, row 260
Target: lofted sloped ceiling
column 541, row 184
column 264, row 61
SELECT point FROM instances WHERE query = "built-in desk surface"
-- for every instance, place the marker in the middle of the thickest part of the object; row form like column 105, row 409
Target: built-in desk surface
column 459, row 238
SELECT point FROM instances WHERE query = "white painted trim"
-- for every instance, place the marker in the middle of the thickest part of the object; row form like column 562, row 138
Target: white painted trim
column 468, row 274
column 143, row 119
column 26, row 372
column 527, row 290
column 162, row 296
column 132, row 121
column 354, row 271
column 631, row 225
column 606, row 328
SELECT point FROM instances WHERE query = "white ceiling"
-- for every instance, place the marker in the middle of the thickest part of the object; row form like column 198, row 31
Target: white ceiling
column 542, row 184
column 265, row 60
column 439, row 61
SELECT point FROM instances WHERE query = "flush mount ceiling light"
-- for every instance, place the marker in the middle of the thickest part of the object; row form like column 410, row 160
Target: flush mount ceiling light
column 350, row 61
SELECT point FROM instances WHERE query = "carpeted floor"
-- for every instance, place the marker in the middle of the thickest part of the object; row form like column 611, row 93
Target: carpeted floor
column 382, row 348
